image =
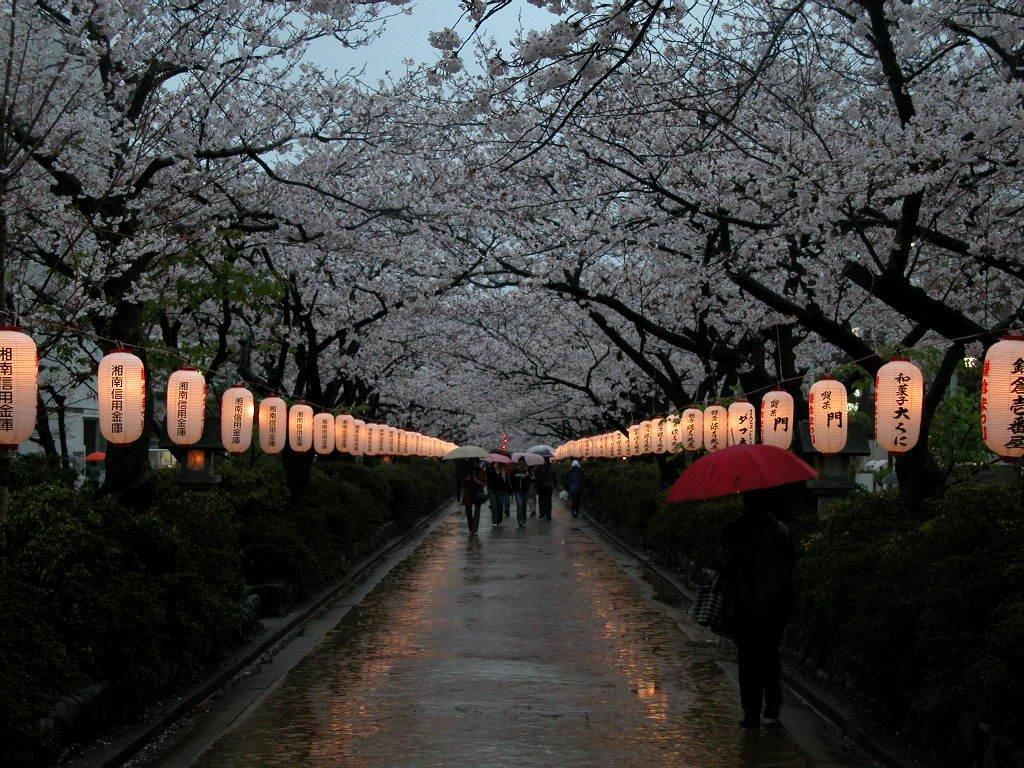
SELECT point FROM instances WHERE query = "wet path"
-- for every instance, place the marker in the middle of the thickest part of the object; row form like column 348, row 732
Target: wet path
column 531, row 647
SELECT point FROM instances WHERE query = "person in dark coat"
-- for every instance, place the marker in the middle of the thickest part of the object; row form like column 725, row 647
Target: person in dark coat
column 522, row 480
column 498, row 489
column 757, row 562
column 545, row 479
column 474, row 491
column 574, row 487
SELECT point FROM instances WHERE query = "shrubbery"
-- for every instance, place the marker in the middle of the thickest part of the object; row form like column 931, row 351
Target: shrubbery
column 918, row 615
column 90, row 591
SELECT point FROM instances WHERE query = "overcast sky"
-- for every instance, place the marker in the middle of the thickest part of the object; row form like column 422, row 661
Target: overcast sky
column 405, row 37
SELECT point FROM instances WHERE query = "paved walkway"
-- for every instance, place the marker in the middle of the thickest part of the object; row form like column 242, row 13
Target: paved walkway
column 533, row 647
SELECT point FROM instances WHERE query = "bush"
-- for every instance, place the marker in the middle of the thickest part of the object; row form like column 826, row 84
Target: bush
column 91, row 591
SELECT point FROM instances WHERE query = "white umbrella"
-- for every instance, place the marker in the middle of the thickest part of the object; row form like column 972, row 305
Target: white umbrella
column 543, row 450
column 465, row 452
column 532, row 459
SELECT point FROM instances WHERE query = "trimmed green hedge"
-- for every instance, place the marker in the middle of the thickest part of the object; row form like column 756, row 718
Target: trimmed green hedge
column 920, row 618
column 90, row 591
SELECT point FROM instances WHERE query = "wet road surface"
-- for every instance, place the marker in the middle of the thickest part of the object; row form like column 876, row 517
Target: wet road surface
column 532, row 647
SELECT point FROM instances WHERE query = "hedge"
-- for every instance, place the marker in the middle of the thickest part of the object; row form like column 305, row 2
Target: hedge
column 146, row 601
column 918, row 616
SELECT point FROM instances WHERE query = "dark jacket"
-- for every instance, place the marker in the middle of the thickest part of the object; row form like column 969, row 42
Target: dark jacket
column 574, row 480
column 757, row 567
column 497, row 480
column 473, row 483
column 545, row 478
column 521, row 481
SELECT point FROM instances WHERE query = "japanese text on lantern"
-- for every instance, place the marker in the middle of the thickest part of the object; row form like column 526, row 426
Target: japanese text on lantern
column 713, row 443
column 325, row 432
column 237, row 411
column 272, row 424
column 1016, row 427
column 116, row 399
column 299, row 422
column 181, row 424
column 902, row 412
column 743, row 429
column 777, row 421
column 826, row 405
column 7, row 389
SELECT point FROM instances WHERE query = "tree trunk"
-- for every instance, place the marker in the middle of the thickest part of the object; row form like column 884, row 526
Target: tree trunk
column 129, row 476
column 43, row 429
column 62, row 429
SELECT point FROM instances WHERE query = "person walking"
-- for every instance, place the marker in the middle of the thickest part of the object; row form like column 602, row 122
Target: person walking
column 474, row 491
column 757, row 562
column 497, row 491
column 522, row 481
column 574, row 486
column 506, row 502
column 545, row 479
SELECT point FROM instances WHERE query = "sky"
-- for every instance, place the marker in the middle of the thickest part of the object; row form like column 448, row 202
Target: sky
column 405, row 37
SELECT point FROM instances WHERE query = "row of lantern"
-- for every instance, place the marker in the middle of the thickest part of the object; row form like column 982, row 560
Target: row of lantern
column 121, row 396
column 899, row 405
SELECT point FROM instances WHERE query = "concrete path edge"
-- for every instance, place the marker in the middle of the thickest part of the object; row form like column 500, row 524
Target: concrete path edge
column 825, row 704
column 129, row 743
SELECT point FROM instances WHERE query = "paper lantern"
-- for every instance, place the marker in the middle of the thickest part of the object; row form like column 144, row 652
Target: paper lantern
column 777, row 418
column 323, row 434
column 19, row 387
column 370, row 439
column 635, row 441
column 343, row 433
column 716, row 427
column 672, row 433
column 826, row 403
column 121, row 396
column 392, row 441
column 357, row 446
column 237, row 408
column 186, row 406
column 273, row 424
column 1002, row 398
column 899, row 404
column 742, row 423
column 300, row 427
column 658, row 436
column 691, row 423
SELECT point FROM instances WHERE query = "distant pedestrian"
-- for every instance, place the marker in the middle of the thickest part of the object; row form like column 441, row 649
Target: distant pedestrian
column 522, row 481
column 757, row 568
column 506, row 507
column 545, row 478
column 474, row 492
column 574, row 486
column 497, row 492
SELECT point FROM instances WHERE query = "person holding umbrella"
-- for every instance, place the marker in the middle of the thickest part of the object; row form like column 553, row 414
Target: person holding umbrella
column 544, row 476
column 522, row 480
column 756, row 562
column 474, row 491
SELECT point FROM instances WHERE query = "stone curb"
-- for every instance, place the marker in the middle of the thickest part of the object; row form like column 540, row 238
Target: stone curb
column 122, row 748
column 818, row 699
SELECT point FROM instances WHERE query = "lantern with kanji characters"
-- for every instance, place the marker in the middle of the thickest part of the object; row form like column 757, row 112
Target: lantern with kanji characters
column 691, row 424
column 186, row 406
column 635, row 440
column 343, row 433
column 273, row 423
column 673, row 433
column 899, row 404
column 1002, row 398
column 237, row 408
column 370, row 440
column 777, row 418
column 716, row 427
column 658, row 436
column 357, row 446
column 827, row 412
column 19, row 386
column 742, row 426
column 323, row 433
column 121, row 396
column 300, row 427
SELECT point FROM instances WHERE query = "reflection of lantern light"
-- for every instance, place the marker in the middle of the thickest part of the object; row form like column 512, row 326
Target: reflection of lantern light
column 899, row 402
column 273, row 424
column 323, row 433
column 691, row 423
column 186, row 406
column 826, row 403
column 300, row 428
column 121, row 395
column 1002, row 398
column 236, row 412
column 742, row 428
column 716, row 426
column 343, row 433
column 777, row 419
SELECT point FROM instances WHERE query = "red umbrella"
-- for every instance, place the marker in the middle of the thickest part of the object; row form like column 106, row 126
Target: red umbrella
column 739, row 468
column 96, row 456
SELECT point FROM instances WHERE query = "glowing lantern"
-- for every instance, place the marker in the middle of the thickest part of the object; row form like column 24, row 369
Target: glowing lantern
column 370, row 439
column 237, row 408
column 1002, row 398
column 826, row 404
column 300, row 428
column 323, row 433
column 121, row 391
column 343, row 433
column 716, row 427
column 899, row 403
column 186, row 406
column 392, row 441
column 357, row 446
column 273, row 424
column 633, row 449
column 777, row 419
column 673, row 433
column 742, row 426
column 658, row 436
column 620, row 444
column 19, row 387
column 691, row 423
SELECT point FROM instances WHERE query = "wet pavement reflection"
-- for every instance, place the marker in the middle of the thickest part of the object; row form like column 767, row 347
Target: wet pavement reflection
column 529, row 647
